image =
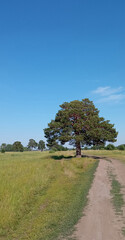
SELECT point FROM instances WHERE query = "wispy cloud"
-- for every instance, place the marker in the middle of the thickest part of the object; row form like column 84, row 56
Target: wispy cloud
column 108, row 94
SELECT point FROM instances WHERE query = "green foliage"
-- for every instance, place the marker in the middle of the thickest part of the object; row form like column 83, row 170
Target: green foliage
column 110, row 147
column 32, row 144
column 58, row 148
column 78, row 123
column 3, row 146
column 121, row 147
column 42, row 198
column 2, row 150
column 98, row 147
column 9, row 148
column 52, row 150
column 17, row 147
column 86, row 148
column 26, row 149
column 41, row 145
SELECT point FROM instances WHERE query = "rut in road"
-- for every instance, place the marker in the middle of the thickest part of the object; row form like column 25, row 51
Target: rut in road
column 99, row 221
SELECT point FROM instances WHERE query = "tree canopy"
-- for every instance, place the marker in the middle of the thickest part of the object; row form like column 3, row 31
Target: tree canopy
column 32, row 144
column 79, row 123
column 41, row 145
column 17, row 146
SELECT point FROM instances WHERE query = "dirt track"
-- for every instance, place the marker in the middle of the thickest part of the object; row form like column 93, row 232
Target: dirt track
column 100, row 221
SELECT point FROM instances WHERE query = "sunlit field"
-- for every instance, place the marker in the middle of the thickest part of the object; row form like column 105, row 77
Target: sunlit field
column 41, row 194
column 116, row 154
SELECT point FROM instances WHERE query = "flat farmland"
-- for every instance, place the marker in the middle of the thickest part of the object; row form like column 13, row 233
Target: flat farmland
column 42, row 194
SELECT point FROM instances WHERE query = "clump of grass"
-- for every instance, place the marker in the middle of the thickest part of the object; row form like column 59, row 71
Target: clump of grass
column 41, row 197
column 123, row 231
column 117, row 196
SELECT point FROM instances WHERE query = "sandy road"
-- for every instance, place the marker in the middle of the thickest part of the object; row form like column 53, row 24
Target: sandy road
column 99, row 221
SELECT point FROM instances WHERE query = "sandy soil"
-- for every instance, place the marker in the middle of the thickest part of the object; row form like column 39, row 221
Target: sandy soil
column 99, row 221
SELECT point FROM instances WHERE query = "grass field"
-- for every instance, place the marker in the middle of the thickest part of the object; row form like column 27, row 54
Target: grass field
column 116, row 154
column 41, row 194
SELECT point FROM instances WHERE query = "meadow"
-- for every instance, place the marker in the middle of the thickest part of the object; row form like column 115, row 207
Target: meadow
column 42, row 194
column 116, row 154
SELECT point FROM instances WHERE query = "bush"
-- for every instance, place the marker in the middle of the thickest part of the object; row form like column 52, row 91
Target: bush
column 61, row 148
column 9, row 148
column 52, row 151
column 2, row 150
column 110, row 147
column 98, row 147
column 121, row 147
column 58, row 148
column 17, row 147
column 85, row 148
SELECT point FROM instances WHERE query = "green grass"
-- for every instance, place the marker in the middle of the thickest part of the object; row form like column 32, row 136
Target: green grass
column 41, row 194
column 117, row 196
column 123, row 231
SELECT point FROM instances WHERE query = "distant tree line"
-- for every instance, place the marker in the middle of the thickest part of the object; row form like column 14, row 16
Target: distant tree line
column 32, row 146
column 18, row 146
column 40, row 146
column 108, row 147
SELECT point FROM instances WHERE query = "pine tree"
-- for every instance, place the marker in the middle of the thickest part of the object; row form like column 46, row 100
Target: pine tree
column 79, row 123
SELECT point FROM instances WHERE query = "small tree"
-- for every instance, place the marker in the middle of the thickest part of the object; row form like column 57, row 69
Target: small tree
column 9, row 148
column 17, row 147
column 78, row 123
column 2, row 150
column 110, row 147
column 32, row 144
column 41, row 145
column 3, row 146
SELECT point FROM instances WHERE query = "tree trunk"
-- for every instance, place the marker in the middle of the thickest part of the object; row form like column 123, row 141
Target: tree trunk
column 78, row 149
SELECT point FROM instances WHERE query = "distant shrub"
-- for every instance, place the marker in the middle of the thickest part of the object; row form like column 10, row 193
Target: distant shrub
column 121, row 147
column 17, row 147
column 85, row 148
column 51, row 151
column 26, row 149
column 94, row 148
column 2, row 150
column 58, row 148
column 9, row 148
column 98, row 147
column 110, row 147
column 61, row 148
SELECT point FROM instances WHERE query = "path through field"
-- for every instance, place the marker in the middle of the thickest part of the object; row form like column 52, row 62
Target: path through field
column 100, row 221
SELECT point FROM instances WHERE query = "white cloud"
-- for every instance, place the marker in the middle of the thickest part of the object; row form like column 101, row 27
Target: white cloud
column 108, row 94
column 105, row 91
column 113, row 98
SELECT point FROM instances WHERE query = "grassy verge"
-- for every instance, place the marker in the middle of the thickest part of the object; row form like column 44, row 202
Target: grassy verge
column 41, row 196
column 117, row 198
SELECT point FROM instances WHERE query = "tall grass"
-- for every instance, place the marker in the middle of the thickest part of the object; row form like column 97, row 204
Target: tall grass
column 42, row 195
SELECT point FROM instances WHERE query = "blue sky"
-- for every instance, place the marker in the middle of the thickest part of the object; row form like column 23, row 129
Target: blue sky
column 57, row 51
